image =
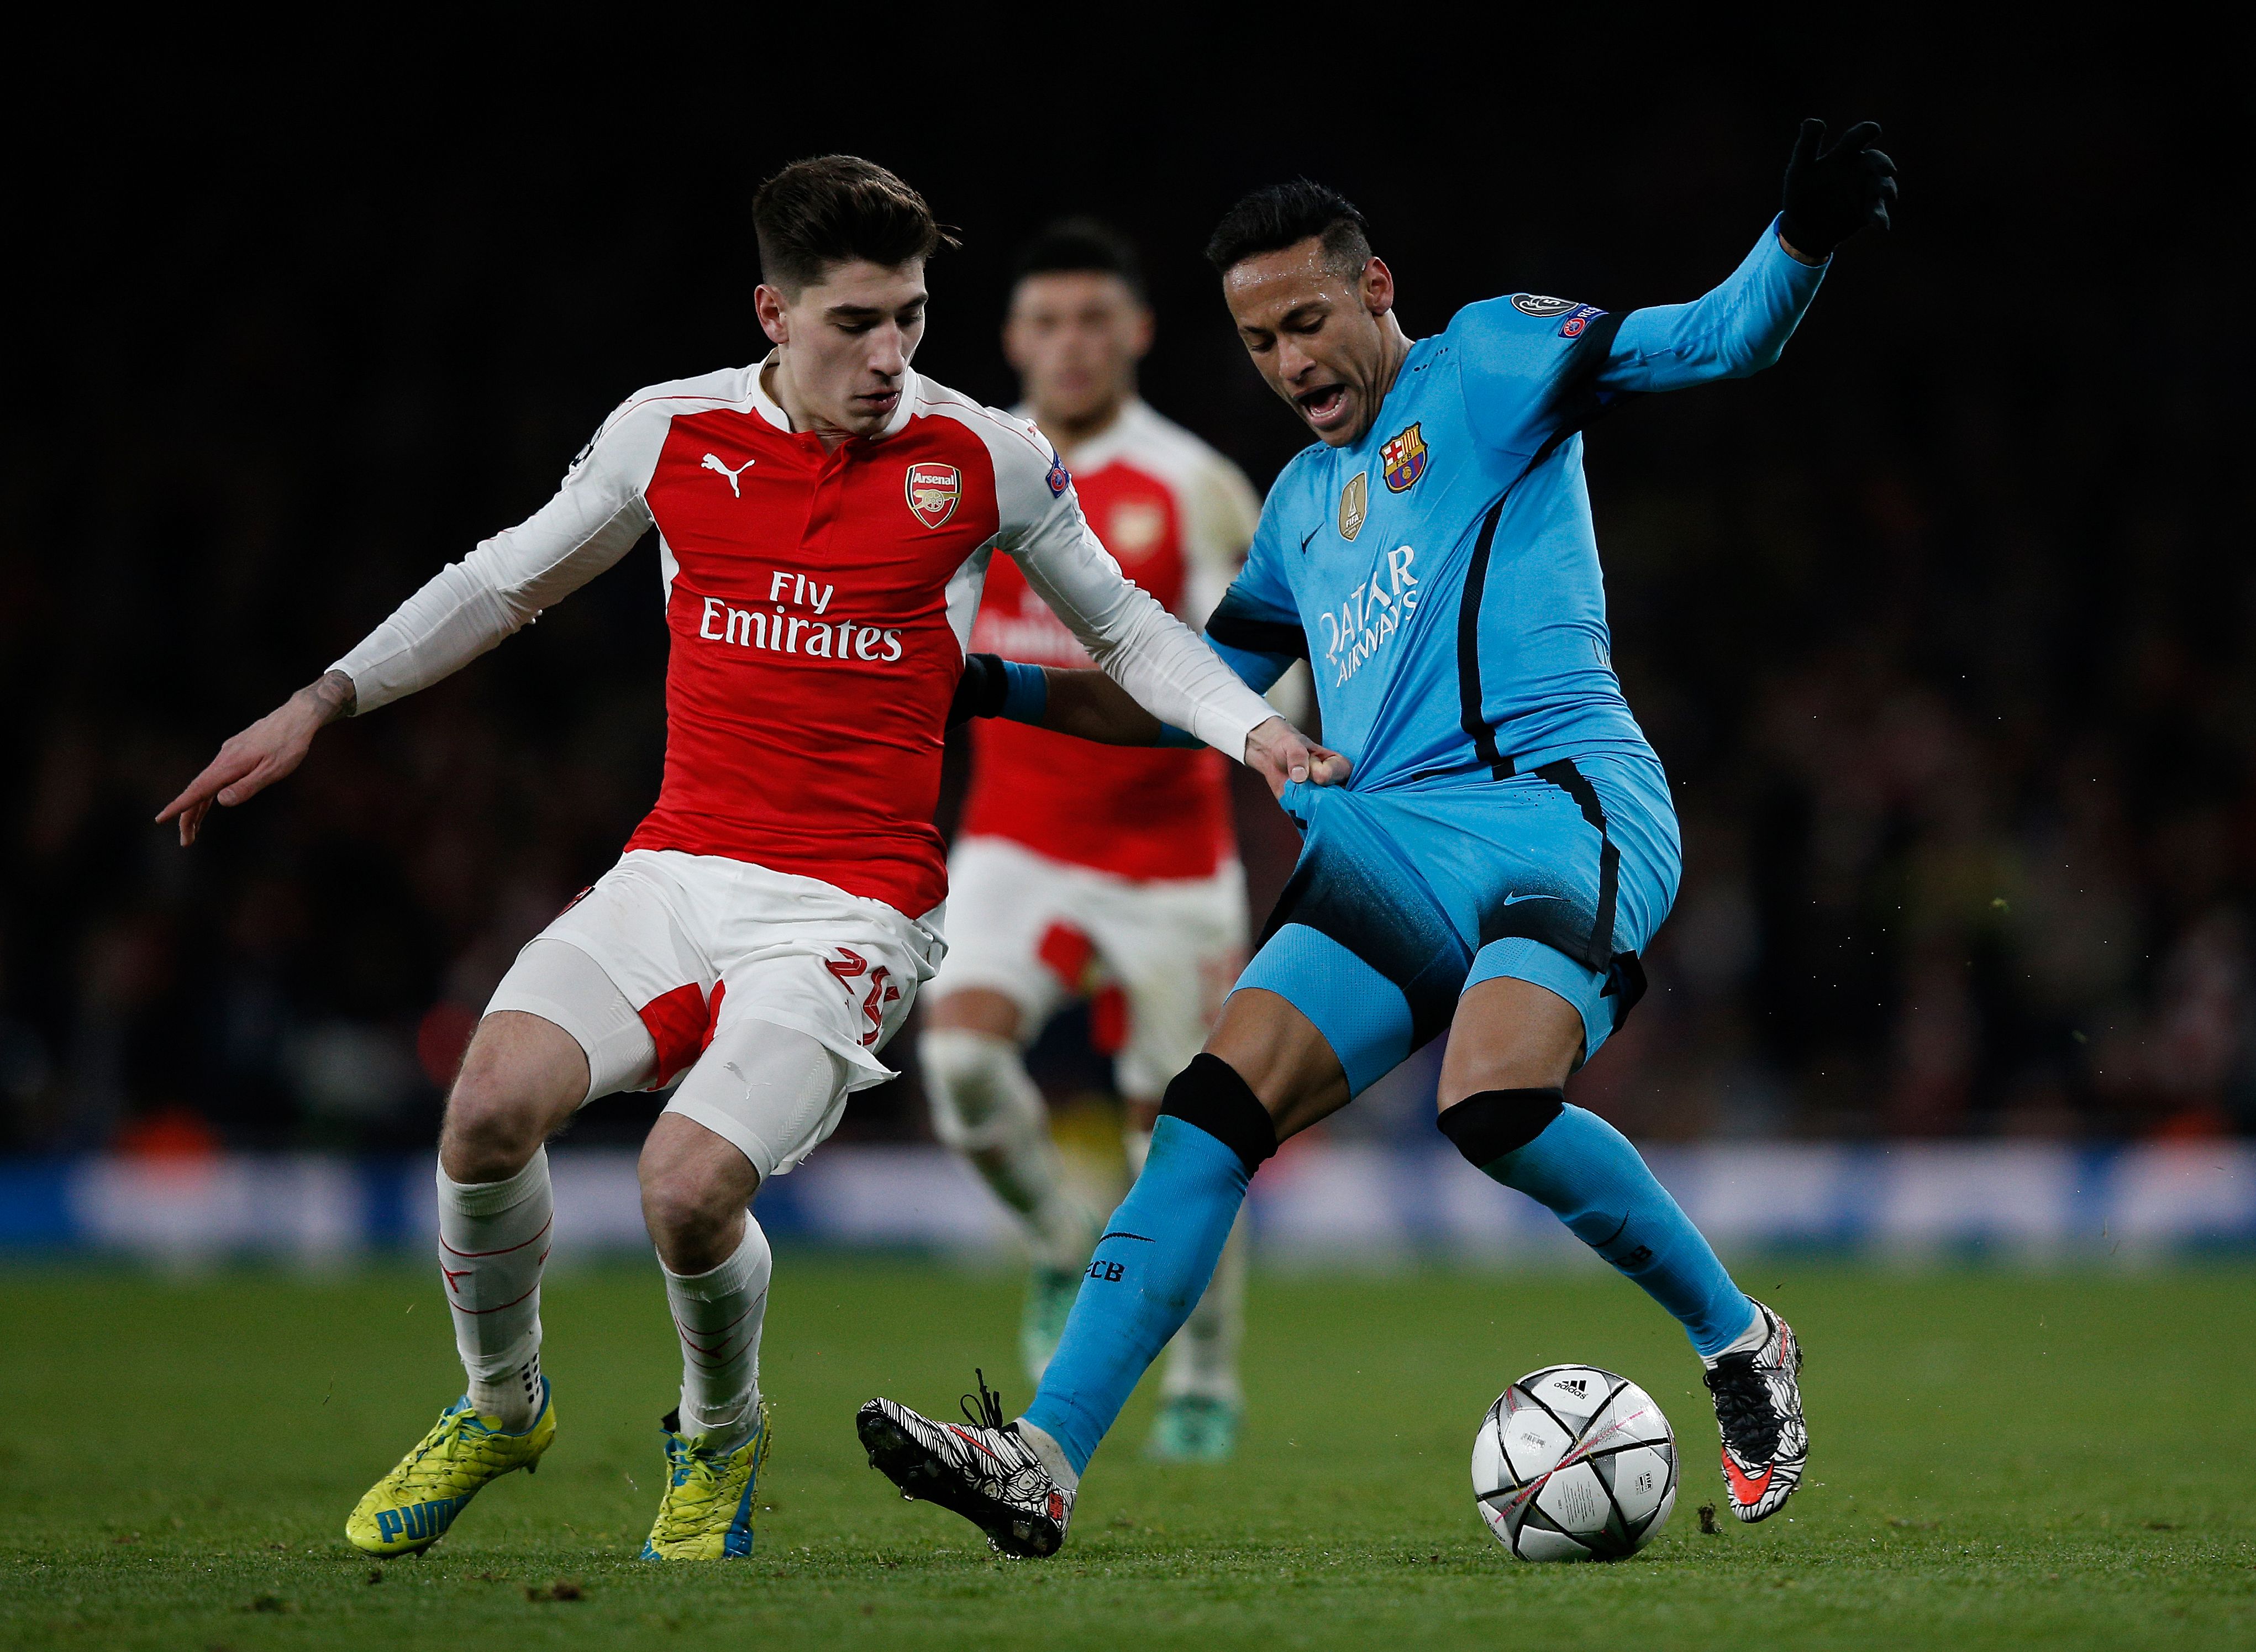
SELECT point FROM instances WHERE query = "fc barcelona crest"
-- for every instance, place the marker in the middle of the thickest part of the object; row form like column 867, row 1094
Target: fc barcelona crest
column 1404, row 459
column 933, row 492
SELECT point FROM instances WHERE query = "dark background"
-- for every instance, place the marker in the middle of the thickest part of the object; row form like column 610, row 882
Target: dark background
column 1942, row 627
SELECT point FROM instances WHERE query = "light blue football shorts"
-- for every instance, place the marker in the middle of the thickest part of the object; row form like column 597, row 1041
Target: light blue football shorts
column 1404, row 898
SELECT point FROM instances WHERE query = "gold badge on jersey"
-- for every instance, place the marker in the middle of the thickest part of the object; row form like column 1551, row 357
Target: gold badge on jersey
column 933, row 491
column 1355, row 504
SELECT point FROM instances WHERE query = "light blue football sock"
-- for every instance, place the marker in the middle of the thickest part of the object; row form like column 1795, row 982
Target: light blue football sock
column 1149, row 1271
column 1591, row 1177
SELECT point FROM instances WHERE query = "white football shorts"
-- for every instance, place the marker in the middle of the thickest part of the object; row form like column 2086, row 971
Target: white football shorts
column 1017, row 920
column 697, row 953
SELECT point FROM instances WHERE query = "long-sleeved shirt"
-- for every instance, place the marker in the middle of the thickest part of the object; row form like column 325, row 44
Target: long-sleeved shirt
column 1441, row 575
column 819, row 601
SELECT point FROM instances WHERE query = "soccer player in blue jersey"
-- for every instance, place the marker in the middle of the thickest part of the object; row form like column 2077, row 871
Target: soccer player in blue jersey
column 1500, row 852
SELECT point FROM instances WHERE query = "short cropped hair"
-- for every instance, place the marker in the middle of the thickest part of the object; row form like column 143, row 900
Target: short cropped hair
column 1280, row 215
column 1072, row 246
column 834, row 208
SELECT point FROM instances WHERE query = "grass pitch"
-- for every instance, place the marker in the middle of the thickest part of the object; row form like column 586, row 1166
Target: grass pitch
column 1999, row 1459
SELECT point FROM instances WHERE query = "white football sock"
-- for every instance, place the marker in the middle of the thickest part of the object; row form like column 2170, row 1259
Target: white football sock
column 493, row 1238
column 1748, row 1341
column 1205, row 1357
column 718, row 1316
column 1050, row 1454
column 986, row 1107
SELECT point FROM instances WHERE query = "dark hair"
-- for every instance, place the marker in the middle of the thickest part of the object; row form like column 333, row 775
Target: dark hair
column 1280, row 215
column 1072, row 245
column 831, row 209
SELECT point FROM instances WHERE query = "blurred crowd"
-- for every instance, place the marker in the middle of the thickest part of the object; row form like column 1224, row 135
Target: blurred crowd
column 1943, row 629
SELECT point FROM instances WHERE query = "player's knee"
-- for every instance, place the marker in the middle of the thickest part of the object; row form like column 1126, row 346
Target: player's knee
column 979, row 1093
column 1210, row 1094
column 690, row 1202
column 1486, row 1126
column 496, row 1118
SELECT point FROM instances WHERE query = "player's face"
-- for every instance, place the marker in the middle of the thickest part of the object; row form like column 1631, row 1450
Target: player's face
column 1317, row 332
column 846, row 340
column 1076, row 337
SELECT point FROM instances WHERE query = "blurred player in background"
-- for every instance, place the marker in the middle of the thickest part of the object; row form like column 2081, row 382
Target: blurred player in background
column 825, row 518
column 1084, row 872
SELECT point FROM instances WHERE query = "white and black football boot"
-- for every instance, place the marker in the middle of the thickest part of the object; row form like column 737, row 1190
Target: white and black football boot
column 985, row 1472
column 1758, row 1410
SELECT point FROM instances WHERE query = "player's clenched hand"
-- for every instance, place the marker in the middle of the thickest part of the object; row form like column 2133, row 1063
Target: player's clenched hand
column 1280, row 753
column 1832, row 193
column 261, row 754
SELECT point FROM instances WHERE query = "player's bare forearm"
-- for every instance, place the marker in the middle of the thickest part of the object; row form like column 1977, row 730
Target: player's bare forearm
column 262, row 753
column 1090, row 706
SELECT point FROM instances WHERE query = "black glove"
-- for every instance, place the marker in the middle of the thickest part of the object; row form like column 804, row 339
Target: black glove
column 979, row 691
column 1831, row 194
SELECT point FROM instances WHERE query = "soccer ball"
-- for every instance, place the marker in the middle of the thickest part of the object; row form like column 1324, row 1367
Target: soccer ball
column 1573, row 1463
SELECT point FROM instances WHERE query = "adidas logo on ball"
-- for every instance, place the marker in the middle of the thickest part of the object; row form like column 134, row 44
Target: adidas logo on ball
column 1576, row 1386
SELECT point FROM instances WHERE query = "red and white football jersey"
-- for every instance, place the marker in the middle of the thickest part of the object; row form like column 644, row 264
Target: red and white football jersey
column 820, row 601
column 1178, row 516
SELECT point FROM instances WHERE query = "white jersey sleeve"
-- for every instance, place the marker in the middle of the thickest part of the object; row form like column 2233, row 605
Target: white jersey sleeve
column 1160, row 660
column 501, row 586
column 1220, row 510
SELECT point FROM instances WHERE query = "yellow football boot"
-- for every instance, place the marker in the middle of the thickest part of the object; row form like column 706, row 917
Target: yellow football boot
column 411, row 1508
column 707, row 1512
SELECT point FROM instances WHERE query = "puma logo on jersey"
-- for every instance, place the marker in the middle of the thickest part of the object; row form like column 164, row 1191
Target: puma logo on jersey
column 713, row 462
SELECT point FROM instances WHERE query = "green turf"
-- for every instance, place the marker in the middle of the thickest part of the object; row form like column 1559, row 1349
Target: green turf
column 2000, row 1459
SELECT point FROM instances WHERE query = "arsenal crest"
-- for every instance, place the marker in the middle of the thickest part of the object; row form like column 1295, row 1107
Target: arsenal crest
column 1404, row 459
column 1354, row 506
column 933, row 491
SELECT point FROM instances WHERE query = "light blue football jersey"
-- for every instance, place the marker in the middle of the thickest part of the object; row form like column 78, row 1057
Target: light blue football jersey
column 1441, row 574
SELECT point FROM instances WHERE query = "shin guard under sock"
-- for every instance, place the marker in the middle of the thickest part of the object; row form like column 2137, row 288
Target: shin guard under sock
column 493, row 1240
column 1157, row 1254
column 1203, row 1358
column 718, row 1316
column 1588, row 1174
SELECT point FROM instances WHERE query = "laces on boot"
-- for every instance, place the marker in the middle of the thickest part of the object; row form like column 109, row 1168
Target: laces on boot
column 1744, row 1407
column 986, row 1412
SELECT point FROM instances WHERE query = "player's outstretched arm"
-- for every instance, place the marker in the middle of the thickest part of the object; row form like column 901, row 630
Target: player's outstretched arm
column 462, row 611
column 1831, row 193
column 1090, row 706
column 1157, row 661
column 261, row 754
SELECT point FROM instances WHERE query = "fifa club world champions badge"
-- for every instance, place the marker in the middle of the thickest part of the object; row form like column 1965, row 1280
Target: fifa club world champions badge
column 933, row 492
column 1354, row 506
column 1404, row 459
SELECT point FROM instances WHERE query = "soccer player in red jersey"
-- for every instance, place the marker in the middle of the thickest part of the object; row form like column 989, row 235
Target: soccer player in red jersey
column 825, row 520
column 1108, row 874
